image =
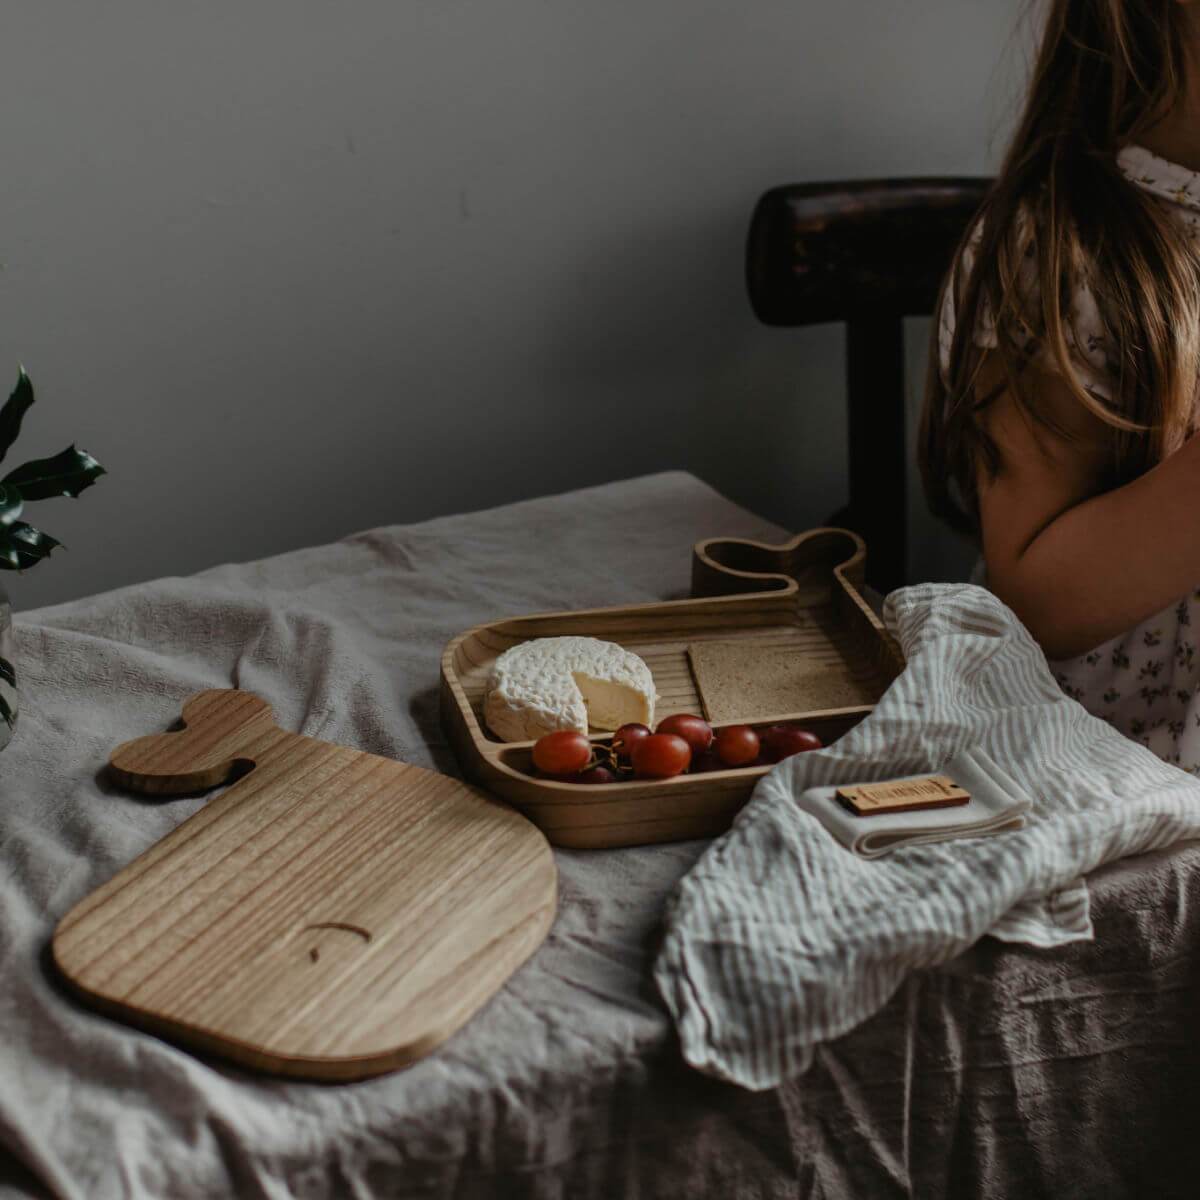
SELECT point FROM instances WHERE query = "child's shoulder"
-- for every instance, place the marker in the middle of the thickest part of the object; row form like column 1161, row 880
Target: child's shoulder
column 1084, row 326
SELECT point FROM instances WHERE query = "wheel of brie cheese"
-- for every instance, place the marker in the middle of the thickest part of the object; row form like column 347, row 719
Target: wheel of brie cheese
column 575, row 683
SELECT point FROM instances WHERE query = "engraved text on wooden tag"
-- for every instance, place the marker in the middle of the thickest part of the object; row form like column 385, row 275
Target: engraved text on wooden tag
column 902, row 795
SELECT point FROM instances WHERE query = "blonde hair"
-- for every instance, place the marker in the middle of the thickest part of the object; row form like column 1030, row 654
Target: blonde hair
column 1105, row 71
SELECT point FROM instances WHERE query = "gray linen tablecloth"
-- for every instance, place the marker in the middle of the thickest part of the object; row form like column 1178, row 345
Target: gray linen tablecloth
column 1007, row 1072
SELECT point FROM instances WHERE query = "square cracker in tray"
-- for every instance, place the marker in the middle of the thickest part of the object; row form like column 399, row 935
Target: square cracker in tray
column 744, row 681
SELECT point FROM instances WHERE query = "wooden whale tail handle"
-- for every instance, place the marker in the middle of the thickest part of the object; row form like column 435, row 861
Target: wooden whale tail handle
column 731, row 566
column 219, row 728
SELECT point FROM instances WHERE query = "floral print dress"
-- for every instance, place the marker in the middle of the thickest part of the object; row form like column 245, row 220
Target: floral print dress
column 1146, row 682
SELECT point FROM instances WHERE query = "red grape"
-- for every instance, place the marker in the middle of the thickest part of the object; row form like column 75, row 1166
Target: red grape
column 696, row 731
column 766, row 739
column 562, row 753
column 782, row 741
column 660, row 756
column 707, row 760
column 625, row 737
column 737, row 745
column 595, row 774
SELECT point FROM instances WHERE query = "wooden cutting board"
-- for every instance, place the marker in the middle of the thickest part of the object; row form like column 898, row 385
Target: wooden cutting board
column 332, row 915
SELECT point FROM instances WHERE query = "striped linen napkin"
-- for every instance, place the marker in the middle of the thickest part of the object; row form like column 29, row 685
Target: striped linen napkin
column 778, row 940
column 997, row 805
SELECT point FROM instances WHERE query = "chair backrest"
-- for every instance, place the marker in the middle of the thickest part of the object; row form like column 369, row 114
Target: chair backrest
column 867, row 252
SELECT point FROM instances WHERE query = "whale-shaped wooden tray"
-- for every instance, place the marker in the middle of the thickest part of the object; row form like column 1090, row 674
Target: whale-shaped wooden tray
column 802, row 597
column 332, row 915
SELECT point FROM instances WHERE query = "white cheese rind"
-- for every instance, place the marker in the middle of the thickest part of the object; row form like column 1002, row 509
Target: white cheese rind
column 556, row 683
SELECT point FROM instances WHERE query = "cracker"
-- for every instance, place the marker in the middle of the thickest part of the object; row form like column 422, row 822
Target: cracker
column 746, row 681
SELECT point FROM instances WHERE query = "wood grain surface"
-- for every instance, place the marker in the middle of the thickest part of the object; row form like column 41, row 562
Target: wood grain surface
column 800, row 598
column 332, row 915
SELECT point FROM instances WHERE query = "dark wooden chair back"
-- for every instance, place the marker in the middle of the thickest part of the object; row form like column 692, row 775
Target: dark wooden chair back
column 869, row 253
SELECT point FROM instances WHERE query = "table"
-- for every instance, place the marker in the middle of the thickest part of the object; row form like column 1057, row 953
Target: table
column 1007, row 1072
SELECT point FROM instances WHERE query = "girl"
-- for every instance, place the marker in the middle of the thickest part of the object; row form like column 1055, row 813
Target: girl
column 1066, row 363
column 1065, row 373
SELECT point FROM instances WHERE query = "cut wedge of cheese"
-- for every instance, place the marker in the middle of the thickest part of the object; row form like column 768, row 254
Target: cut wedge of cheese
column 578, row 683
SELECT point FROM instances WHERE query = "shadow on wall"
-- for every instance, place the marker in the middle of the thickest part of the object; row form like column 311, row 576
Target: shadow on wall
column 627, row 303
column 655, row 332
column 757, row 412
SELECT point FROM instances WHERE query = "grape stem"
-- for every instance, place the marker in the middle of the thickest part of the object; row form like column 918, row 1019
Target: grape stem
column 605, row 756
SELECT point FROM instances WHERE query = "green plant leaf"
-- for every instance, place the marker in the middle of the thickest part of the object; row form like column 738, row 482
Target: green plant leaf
column 11, row 504
column 8, row 672
column 22, row 546
column 31, row 545
column 15, row 408
column 66, row 474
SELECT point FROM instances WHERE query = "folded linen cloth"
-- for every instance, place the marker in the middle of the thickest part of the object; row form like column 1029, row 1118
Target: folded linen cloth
column 778, row 940
column 998, row 804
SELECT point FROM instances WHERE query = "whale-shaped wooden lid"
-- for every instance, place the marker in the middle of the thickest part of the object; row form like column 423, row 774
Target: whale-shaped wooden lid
column 332, row 915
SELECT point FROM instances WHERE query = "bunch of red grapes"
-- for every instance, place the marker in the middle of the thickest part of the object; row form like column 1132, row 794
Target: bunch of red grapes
column 680, row 743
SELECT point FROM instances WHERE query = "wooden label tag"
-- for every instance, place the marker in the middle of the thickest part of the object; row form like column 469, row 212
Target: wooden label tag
column 902, row 795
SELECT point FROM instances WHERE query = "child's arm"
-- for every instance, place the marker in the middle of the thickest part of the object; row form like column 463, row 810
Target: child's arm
column 1079, row 568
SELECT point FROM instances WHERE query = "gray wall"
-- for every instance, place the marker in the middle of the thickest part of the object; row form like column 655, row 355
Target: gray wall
column 293, row 269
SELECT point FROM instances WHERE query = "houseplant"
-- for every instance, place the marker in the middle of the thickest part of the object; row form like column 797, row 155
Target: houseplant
column 21, row 545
